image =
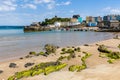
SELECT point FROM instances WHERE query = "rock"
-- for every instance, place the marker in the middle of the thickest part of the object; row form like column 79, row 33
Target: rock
column 79, row 55
column 1, row 71
column 58, row 47
column 28, row 56
column 86, row 45
column 28, row 64
column 21, row 58
column 13, row 65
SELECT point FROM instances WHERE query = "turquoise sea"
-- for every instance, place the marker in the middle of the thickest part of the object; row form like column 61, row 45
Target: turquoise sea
column 15, row 43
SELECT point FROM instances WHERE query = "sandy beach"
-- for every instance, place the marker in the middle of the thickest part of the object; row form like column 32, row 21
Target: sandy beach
column 97, row 68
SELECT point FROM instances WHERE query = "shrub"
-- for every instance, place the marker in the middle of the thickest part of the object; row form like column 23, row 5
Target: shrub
column 11, row 78
column 61, row 58
column 63, row 49
column 85, row 57
column 27, row 73
column 70, row 51
column 73, row 68
column 37, row 72
column 114, row 55
column 78, row 49
column 62, row 53
column 59, row 67
column 41, row 53
column 82, row 67
column 77, row 68
column 103, row 55
column 69, row 57
column 49, row 70
column 37, row 69
column 84, row 52
column 103, row 49
column 50, row 48
column 111, row 61
column 54, row 68
column 19, row 75
column 119, row 46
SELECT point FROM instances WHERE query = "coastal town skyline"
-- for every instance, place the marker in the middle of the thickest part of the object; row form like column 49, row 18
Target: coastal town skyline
column 24, row 12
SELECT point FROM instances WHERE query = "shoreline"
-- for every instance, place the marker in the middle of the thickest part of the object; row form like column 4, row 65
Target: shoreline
column 19, row 56
column 92, row 48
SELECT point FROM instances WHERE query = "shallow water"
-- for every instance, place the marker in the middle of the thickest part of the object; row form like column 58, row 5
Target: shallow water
column 15, row 43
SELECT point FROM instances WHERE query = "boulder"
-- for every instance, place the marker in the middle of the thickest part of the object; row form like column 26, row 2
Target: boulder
column 13, row 65
column 28, row 64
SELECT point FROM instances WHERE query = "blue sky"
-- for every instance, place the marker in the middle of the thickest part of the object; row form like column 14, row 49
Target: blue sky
column 24, row 12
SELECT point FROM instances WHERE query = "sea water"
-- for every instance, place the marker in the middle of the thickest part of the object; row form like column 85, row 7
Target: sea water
column 15, row 43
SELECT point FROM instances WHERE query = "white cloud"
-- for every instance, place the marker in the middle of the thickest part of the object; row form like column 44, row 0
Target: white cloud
column 64, row 3
column 50, row 6
column 8, row 5
column 112, row 10
column 51, row 3
column 32, row 6
column 67, row 3
column 43, row 1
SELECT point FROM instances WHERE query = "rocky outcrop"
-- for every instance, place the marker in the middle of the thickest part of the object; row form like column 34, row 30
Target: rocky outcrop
column 35, row 28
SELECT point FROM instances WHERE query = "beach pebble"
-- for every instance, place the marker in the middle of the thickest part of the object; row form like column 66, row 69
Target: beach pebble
column 28, row 64
column 13, row 65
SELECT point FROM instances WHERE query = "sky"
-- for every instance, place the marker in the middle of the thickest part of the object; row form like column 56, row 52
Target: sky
column 24, row 12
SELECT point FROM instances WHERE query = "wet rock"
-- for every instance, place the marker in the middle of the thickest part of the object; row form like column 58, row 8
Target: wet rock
column 13, row 65
column 21, row 58
column 1, row 71
column 28, row 64
column 86, row 45
column 28, row 56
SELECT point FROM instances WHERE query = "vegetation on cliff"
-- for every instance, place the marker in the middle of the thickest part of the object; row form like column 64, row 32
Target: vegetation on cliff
column 53, row 20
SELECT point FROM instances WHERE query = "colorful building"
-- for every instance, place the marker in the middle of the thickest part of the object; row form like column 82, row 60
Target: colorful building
column 80, row 19
column 92, row 21
column 111, row 17
column 92, row 24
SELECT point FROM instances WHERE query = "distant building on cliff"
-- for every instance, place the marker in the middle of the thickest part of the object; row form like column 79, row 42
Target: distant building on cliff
column 76, row 20
column 110, row 21
column 93, row 21
column 76, row 16
column 111, row 17
column 62, row 24
column 36, row 24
